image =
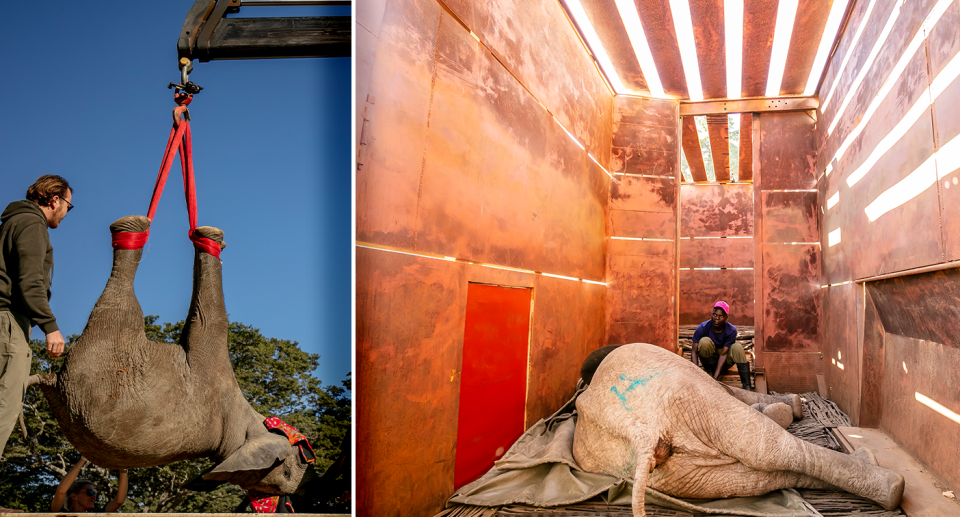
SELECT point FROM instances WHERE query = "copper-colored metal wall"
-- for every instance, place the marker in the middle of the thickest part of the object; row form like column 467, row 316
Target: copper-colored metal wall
column 461, row 154
column 895, row 324
column 642, row 224
column 716, row 230
column 788, row 254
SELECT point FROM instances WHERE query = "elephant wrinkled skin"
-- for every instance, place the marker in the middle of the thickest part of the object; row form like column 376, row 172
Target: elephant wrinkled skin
column 124, row 401
column 651, row 416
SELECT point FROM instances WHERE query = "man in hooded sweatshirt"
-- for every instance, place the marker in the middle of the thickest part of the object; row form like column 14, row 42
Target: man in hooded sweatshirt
column 26, row 266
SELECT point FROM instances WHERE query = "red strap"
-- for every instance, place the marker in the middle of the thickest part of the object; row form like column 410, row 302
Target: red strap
column 179, row 141
column 130, row 241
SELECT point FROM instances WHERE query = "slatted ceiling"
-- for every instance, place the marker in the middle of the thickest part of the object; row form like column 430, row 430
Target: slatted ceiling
column 707, row 16
column 606, row 22
column 746, row 147
column 657, row 22
column 759, row 22
column 691, row 149
column 807, row 29
column 719, row 130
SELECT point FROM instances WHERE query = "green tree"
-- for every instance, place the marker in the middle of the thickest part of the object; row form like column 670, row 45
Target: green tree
column 274, row 375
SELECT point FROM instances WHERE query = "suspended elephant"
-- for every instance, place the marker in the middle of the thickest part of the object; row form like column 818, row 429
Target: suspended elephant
column 124, row 401
column 652, row 416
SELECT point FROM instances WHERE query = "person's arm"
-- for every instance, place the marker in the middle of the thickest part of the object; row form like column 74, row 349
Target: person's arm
column 115, row 504
column 694, row 353
column 721, row 362
column 65, row 483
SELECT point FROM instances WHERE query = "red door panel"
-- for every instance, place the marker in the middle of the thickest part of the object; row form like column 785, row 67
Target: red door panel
column 493, row 382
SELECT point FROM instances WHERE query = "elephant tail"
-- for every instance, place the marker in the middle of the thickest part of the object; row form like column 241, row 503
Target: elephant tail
column 644, row 465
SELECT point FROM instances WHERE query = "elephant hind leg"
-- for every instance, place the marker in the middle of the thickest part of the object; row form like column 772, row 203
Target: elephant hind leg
column 206, row 326
column 722, row 481
column 117, row 308
column 752, row 397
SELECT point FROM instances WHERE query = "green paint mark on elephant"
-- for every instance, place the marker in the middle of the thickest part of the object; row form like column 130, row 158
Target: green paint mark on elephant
column 633, row 384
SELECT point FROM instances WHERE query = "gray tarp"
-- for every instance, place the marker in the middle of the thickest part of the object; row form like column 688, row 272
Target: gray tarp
column 539, row 470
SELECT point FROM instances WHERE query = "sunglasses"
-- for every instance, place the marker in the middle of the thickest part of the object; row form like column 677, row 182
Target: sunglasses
column 69, row 206
column 91, row 492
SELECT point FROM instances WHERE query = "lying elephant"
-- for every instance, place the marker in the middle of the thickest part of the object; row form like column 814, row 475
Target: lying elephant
column 651, row 416
column 124, row 401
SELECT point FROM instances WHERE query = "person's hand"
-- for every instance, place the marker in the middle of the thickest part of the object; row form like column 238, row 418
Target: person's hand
column 55, row 344
column 9, row 510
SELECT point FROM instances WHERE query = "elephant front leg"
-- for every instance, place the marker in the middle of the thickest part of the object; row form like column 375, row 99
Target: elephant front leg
column 205, row 330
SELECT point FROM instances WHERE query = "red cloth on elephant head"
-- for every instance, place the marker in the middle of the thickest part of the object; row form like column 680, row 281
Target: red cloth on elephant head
column 294, row 435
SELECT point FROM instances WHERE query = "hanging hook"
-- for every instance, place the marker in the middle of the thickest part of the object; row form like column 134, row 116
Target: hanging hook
column 186, row 66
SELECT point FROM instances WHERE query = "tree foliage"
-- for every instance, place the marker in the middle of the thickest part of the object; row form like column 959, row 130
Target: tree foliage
column 274, row 375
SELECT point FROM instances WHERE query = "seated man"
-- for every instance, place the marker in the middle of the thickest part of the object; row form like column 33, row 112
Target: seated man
column 715, row 343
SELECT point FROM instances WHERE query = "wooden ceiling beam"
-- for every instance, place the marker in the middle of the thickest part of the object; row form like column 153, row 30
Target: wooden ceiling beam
column 719, row 129
column 690, row 141
column 753, row 105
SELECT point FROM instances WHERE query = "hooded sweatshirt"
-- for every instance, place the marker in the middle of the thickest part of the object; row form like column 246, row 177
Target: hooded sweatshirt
column 26, row 264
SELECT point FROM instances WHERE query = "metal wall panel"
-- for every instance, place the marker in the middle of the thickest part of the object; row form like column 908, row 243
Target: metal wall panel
column 746, row 147
column 648, row 225
column 699, row 290
column 841, row 354
column 537, row 44
column 696, row 253
column 692, row 150
column 409, row 341
column 644, row 194
column 792, row 372
column 871, row 364
column 388, row 177
column 945, row 45
column 920, row 306
column 788, row 150
column 716, row 210
column 918, row 368
column 791, row 298
column 642, row 275
column 410, row 322
column 568, row 324
column 790, row 217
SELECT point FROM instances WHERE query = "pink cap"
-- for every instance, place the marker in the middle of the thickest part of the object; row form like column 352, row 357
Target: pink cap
column 722, row 305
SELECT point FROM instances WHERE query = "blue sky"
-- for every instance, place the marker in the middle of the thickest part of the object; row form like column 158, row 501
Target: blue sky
column 86, row 98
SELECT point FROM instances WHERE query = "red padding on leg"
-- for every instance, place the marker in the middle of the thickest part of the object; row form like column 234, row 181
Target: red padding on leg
column 129, row 240
column 207, row 245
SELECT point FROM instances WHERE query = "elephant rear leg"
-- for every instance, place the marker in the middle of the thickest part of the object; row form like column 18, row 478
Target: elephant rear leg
column 117, row 314
column 679, row 478
column 206, row 326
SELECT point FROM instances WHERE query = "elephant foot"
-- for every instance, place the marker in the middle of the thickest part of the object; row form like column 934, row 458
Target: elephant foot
column 795, row 403
column 893, row 482
column 866, row 455
column 779, row 412
column 214, row 234
column 130, row 224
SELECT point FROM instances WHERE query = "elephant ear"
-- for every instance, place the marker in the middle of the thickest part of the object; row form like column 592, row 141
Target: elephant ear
column 255, row 454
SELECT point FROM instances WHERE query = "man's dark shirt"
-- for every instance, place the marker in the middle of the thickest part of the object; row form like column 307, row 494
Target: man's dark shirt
column 26, row 264
column 725, row 338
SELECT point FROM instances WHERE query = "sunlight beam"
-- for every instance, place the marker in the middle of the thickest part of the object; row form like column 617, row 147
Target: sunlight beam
column 683, row 25
column 934, row 405
column 631, row 22
column 850, row 52
column 867, row 65
column 586, row 29
column 935, row 14
column 733, row 42
column 786, row 14
column 826, row 43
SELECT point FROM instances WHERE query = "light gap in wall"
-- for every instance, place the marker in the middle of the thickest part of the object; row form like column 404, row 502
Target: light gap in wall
column 826, row 41
column 936, row 406
column 865, row 67
column 640, row 239
column 436, row 256
column 850, row 52
column 905, row 58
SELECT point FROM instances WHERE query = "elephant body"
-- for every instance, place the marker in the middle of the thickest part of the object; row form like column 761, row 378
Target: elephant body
column 654, row 417
column 124, row 401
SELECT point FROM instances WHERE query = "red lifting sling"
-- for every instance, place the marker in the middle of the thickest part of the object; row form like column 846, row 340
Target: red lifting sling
column 179, row 141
